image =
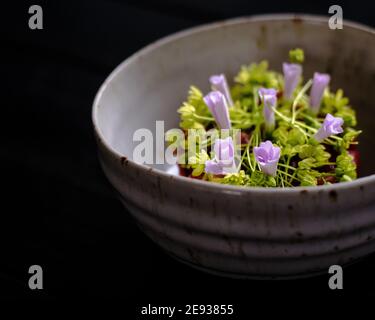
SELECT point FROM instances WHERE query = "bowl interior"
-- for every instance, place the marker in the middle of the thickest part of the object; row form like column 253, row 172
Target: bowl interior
column 152, row 84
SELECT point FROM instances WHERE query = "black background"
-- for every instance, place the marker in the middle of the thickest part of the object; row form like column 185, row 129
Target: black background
column 58, row 210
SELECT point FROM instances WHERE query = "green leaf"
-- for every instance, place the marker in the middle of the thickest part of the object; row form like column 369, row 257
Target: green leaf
column 257, row 74
column 338, row 105
column 197, row 162
column 259, row 179
column 194, row 106
column 316, row 152
column 307, row 177
column 199, row 169
column 307, row 163
column 239, row 179
column 295, row 137
column 296, row 56
column 241, row 119
column 349, row 136
column 348, row 115
column 281, row 135
column 346, row 167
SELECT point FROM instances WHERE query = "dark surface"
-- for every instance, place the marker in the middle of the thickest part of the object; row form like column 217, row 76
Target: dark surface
column 58, row 210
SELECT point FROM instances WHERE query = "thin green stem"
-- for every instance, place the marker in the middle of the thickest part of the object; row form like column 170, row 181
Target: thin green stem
column 249, row 160
column 198, row 117
column 281, row 115
column 298, row 98
column 311, row 119
column 287, row 166
column 285, row 173
column 301, row 124
column 294, row 177
column 282, row 180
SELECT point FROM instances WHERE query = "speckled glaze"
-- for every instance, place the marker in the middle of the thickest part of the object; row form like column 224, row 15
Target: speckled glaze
column 234, row 231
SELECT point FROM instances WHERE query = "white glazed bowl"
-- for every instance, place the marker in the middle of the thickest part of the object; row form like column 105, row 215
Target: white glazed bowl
column 248, row 232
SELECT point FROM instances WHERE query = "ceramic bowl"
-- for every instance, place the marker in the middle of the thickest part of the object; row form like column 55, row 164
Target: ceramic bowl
column 235, row 231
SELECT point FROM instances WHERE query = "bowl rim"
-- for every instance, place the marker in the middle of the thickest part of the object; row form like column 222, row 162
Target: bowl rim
column 210, row 186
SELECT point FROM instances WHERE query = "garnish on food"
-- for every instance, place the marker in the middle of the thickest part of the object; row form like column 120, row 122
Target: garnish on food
column 293, row 132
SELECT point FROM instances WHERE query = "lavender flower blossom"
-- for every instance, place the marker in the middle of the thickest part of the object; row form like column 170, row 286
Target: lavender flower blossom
column 292, row 75
column 268, row 157
column 330, row 126
column 223, row 162
column 219, row 83
column 320, row 82
column 269, row 99
column 218, row 106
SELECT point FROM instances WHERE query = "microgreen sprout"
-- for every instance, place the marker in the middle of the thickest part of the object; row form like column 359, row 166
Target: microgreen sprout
column 288, row 138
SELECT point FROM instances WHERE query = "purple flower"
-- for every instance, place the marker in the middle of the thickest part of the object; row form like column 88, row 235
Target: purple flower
column 292, row 75
column 268, row 157
column 219, row 83
column 223, row 162
column 330, row 126
column 269, row 99
column 320, row 82
column 218, row 106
